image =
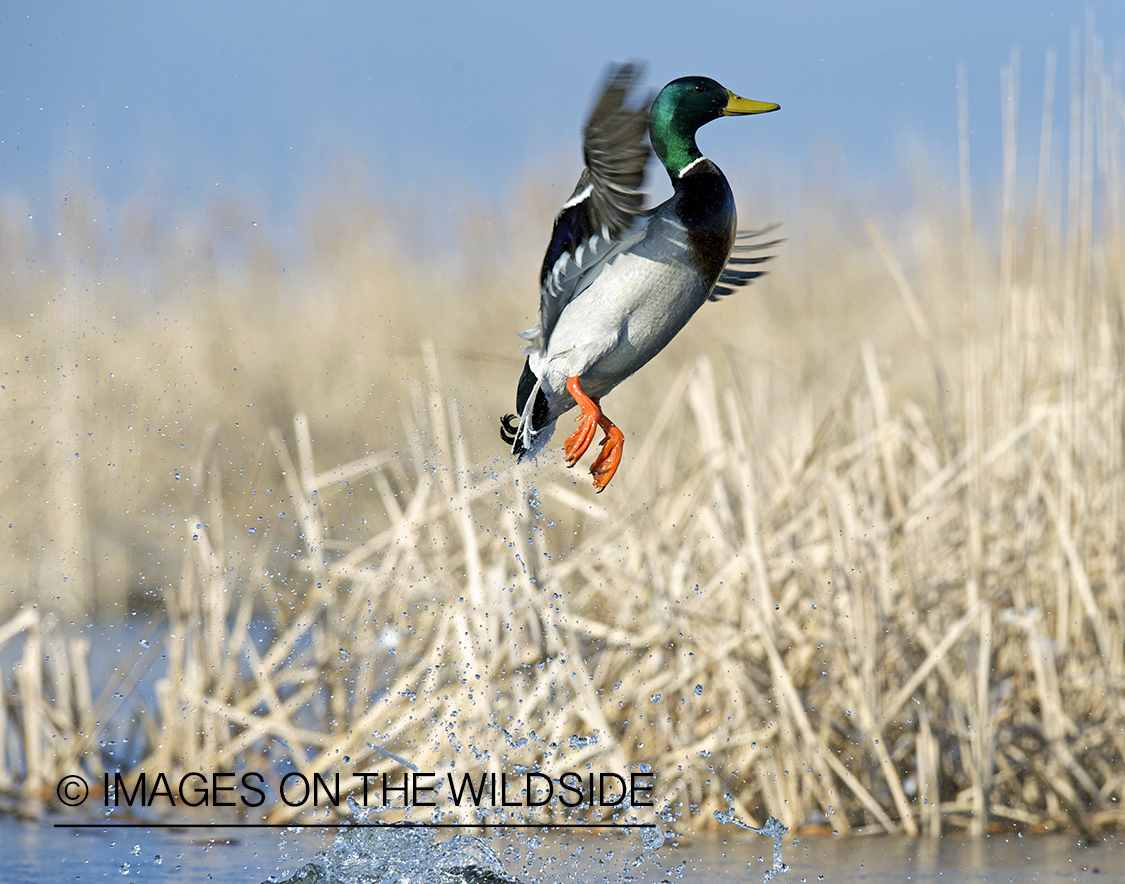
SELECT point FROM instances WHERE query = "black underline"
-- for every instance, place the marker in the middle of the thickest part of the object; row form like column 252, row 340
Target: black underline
column 355, row 825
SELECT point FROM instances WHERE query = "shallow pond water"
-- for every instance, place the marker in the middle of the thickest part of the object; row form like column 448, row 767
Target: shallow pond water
column 39, row 853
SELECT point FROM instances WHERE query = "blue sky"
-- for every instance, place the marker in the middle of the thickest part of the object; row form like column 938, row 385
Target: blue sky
column 258, row 97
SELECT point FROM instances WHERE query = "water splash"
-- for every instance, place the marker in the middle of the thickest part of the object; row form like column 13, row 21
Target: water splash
column 372, row 853
column 772, row 829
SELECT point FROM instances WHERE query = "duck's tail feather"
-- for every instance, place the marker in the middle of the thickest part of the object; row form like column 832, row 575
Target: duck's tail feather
column 509, row 426
column 531, row 431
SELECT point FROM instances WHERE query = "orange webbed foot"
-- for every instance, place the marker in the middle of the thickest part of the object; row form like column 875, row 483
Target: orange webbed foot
column 578, row 441
column 607, row 462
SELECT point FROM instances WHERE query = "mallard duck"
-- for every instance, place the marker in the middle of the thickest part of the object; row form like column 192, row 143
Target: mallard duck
column 618, row 281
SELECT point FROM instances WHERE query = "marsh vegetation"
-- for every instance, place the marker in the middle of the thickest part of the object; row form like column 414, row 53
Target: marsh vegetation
column 861, row 567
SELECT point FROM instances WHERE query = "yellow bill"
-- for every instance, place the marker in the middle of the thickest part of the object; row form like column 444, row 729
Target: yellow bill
column 737, row 106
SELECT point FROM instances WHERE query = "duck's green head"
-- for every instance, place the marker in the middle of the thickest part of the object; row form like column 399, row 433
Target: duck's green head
column 682, row 107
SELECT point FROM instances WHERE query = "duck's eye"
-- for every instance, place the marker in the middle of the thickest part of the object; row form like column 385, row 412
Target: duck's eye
column 699, row 87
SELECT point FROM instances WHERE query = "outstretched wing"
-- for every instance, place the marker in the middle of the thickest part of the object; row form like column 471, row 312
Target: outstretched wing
column 606, row 204
column 733, row 276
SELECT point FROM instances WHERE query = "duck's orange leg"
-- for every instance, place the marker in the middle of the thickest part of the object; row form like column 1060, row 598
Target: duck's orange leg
column 578, row 441
column 591, row 416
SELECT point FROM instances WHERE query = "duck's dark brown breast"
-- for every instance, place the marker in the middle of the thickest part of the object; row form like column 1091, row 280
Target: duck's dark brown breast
column 705, row 205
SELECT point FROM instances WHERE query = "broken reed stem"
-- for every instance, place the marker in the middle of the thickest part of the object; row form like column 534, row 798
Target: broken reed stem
column 978, row 715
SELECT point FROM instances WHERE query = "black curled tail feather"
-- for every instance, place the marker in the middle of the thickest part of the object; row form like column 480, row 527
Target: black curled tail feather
column 509, row 423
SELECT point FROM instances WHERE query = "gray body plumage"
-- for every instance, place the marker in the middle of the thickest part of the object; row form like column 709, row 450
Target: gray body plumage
column 624, row 309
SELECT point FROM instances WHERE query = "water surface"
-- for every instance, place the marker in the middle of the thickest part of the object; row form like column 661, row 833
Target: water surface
column 38, row 853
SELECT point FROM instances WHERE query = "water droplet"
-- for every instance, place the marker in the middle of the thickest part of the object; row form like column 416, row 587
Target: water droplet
column 653, row 838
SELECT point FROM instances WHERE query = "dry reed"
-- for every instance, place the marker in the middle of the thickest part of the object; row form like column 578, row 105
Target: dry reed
column 904, row 615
